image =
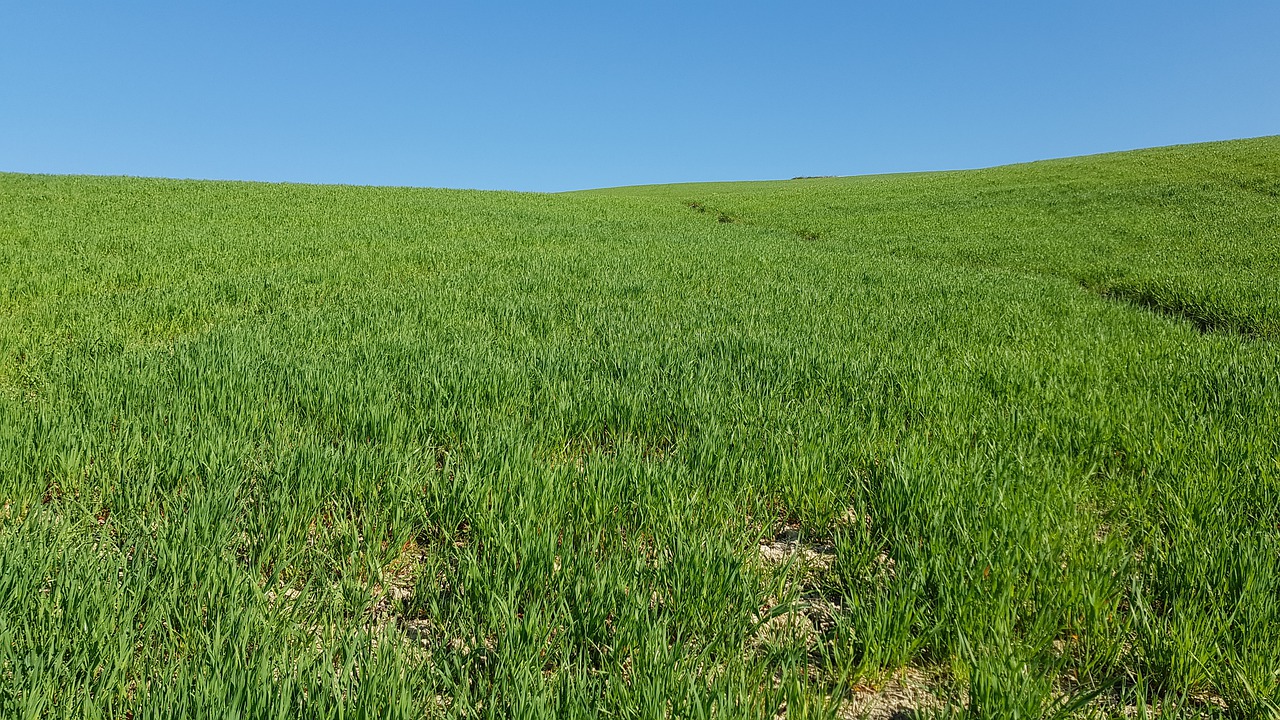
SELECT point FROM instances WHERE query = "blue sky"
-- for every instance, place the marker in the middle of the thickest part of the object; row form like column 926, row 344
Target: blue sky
column 566, row 95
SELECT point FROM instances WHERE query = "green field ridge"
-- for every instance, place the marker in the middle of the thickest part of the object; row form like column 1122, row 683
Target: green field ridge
column 1010, row 437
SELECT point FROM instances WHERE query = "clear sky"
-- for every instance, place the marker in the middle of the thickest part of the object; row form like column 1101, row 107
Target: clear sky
column 565, row 95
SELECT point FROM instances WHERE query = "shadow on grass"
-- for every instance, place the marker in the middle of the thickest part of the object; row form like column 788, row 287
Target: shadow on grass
column 1207, row 317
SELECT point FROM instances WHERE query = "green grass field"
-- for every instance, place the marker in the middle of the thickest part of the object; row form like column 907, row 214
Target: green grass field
column 722, row 450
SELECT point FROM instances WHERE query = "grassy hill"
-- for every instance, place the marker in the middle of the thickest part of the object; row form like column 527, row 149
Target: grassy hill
column 717, row 450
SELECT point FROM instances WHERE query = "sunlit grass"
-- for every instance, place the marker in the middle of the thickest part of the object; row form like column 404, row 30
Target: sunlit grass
column 336, row 451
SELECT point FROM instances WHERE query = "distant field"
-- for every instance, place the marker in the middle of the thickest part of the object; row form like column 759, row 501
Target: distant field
column 996, row 443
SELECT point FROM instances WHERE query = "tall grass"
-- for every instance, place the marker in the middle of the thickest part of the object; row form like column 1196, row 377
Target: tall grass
column 333, row 452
